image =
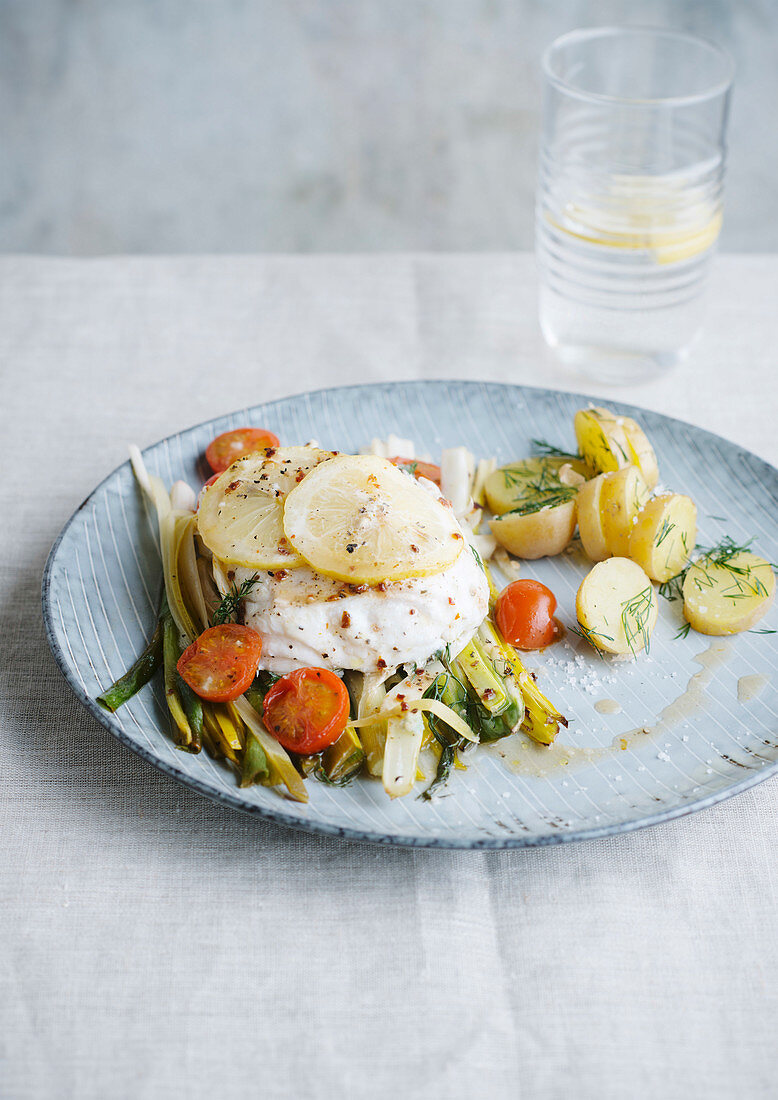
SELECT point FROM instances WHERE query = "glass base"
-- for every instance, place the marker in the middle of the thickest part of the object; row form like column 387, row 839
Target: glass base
column 616, row 366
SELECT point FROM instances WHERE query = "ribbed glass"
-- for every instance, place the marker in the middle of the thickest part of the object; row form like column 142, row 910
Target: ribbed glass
column 629, row 201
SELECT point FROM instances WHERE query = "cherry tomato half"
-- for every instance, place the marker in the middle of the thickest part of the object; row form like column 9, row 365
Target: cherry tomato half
column 525, row 615
column 307, row 709
column 419, row 469
column 229, row 446
column 222, row 662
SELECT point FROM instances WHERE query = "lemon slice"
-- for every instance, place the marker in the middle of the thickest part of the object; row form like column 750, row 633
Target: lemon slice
column 357, row 518
column 241, row 516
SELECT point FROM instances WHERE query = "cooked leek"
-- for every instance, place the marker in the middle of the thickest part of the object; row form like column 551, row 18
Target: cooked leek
column 457, row 467
column 405, row 730
column 166, row 517
column 482, row 676
column 277, row 757
column 368, row 693
column 136, row 677
column 342, row 760
column 191, row 585
column 541, row 719
column 171, row 651
column 254, row 767
column 401, row 753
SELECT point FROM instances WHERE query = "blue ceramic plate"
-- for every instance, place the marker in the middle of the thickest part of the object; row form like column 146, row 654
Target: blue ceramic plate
column 680, row 729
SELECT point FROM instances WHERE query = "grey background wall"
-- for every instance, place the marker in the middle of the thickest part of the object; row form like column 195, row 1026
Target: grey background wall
column 318, row 125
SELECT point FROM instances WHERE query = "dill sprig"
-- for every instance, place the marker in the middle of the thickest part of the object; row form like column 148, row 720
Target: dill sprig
column 744, row 582
column 664, row 531
column 589, row 635
column 720, row 554
column 724, row 551
column 550, row 499
column 528, row 480
column 635, row 614
column 227, row 611
column 545, row 448
column 672, row 590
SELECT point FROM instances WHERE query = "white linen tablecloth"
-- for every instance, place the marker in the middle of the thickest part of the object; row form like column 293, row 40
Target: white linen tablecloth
column 155, row 945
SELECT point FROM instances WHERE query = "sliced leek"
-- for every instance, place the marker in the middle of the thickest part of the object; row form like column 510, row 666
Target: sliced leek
column 277, row 757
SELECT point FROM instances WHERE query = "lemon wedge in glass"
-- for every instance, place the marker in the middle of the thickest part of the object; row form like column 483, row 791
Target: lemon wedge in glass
column 241, row 515
column 358, row 518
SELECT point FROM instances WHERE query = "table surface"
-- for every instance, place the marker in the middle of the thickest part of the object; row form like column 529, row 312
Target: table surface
column 154, row 944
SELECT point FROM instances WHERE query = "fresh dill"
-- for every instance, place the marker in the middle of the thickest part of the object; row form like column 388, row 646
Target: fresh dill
column 545, row 448
column 532, row 476
column 478, row 558
column 227, row 610
column 665, row 530
column 589, row 636
column 672, row 590
column 721, row 554
column 635, row 614
column 763, row 632
column 683, row 631
column 551, row 499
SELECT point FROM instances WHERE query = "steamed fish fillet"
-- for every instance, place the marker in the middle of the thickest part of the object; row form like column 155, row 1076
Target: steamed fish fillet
column 306, row 619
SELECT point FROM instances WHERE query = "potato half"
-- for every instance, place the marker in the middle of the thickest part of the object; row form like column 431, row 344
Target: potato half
column 528, row 480
column 727, row 596
column 664, row 535
column 616, row 607
column 590, row 521
column 639, row 450
column 537, row 534
column 623, row 494
column 602, row 441
column 642, row 452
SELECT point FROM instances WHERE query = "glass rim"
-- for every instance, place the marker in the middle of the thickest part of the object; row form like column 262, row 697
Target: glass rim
column 584, row 34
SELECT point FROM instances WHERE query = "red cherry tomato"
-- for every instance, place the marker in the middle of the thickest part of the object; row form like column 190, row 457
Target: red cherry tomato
column 307, row 709
column 222, row 662
column 525, row 615
column 229, row 446
column 419, row 469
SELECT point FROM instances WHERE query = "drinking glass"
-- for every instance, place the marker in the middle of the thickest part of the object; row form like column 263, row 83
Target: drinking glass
column 629, row 195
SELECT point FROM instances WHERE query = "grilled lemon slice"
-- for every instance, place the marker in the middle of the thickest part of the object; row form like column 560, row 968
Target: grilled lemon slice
column 357, row 518
column 241, row 516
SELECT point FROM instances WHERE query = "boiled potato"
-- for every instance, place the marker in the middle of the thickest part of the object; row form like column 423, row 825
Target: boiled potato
column 536, row 534
column 590, row 521
column 528, row 480
column 642, row 452
column 602, row 441
column 616, row 607
column 729, row 592
column 623, row 494
column 639, row 450
column 664, row 536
